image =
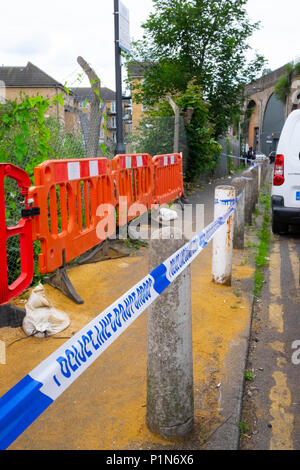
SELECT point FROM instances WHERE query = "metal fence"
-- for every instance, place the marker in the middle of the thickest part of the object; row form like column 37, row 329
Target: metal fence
column 62, row 145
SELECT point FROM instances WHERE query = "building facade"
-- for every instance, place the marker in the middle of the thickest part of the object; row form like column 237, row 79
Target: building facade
column 265, row 113
column 31, row 81
column 107, row 107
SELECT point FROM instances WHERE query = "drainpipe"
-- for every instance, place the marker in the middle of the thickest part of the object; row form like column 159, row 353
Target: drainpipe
column 57, row 108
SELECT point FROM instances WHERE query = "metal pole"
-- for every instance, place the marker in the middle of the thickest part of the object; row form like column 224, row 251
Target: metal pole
column 120, row 148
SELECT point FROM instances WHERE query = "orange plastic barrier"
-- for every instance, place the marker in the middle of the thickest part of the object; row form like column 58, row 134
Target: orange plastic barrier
column 23, row 230
column 68, row 193
column 168, row 178
column 134, row 180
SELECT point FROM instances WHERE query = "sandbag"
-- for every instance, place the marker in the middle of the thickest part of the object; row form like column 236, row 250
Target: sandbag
column 167, row 214
column 42, row 319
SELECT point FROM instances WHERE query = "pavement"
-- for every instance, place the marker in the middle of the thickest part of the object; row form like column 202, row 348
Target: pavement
column 271, row 408
column 105, row 408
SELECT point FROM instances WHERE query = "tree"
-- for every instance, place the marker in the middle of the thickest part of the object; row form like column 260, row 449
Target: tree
column 194, row 130
column 201, row 40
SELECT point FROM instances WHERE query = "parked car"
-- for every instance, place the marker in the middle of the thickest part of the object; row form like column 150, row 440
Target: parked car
column 260, row 156
column 272, row 157
column 286, row 177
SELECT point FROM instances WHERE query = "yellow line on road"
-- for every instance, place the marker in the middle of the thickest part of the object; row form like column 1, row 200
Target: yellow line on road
column 280, row 394
column 275, row 307
column 294, row 260
column 283, row 422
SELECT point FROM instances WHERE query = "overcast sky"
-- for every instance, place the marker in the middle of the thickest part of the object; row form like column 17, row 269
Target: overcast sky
column 52, row 34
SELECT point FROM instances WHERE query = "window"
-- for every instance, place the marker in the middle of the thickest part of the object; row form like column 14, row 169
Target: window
column 113, row 107
column 83, row 104
column 114, row 123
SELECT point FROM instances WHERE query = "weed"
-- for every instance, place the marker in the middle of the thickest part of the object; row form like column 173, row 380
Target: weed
column 237, row 294
column 251, row 244
column 257, row 212
column 258, row 281
column 249, row 376
column 243, row 428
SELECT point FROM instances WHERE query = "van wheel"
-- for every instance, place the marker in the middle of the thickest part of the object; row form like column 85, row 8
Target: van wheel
column 278, row 227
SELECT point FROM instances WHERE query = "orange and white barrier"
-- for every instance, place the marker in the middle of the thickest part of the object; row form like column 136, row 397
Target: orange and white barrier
column 168, row 184
column 134, row 175
column 68, row 194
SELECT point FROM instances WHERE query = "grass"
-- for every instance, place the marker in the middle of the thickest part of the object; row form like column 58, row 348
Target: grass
column 264, row 235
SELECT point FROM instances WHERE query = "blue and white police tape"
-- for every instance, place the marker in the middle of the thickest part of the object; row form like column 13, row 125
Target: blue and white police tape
column 227, row 202
column 29, row 398
column 254, row 163
column 234, row 157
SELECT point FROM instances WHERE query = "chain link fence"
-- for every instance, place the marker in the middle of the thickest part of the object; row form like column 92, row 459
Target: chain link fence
column 63, row 143
column 68, row 135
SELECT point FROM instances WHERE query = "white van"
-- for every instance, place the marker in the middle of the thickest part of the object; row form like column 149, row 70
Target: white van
column 286, row 177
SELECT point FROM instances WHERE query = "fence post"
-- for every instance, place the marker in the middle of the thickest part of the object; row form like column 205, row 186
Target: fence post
column 223, row 240
column 259, row 178
column 170, row 399
column 239, row 215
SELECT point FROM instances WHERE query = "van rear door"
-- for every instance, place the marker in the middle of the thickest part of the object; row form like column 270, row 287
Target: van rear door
column 289, row 147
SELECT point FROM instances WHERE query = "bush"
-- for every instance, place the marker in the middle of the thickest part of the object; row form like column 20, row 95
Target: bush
column 282, row 88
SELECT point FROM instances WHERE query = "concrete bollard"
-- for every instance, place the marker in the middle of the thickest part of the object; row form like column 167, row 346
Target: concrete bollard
column 239, row 214
column 259, row 177
column 265, row 168
column 249, row 185
column 223, row 240
column 170, row 395
column 255, row 190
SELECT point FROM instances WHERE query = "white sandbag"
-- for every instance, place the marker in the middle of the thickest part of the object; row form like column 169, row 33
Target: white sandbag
column 167, row 214
column 42, row 319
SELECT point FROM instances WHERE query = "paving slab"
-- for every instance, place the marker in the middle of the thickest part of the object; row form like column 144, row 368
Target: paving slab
column 105, row 408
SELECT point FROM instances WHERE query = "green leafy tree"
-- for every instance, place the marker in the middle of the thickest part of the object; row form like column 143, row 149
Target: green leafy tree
column 201, row 40
column 155, row 134
column 24, row 137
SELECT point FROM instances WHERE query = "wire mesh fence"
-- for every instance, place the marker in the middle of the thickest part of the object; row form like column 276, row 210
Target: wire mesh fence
column 64, row 141
column 68, row 130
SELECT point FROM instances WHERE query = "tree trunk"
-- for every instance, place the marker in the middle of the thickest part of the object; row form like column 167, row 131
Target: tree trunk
column 95, row 113
column 176, row 124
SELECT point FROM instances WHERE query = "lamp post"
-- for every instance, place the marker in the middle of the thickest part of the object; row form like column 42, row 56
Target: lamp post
column 120, row 147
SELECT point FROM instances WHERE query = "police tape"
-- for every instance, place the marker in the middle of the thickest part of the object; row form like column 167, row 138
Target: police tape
column 227, row 202
column 30, row 397
column 234, row 157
